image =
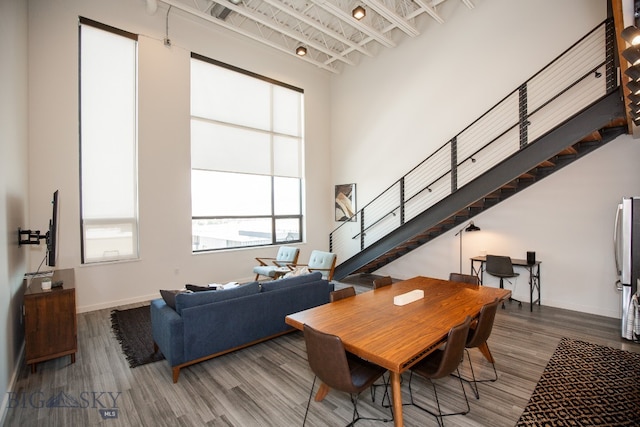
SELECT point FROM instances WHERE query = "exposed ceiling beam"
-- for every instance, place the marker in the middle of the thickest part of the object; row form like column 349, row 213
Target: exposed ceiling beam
column 430, row 10
column 346, row 17
column 393, row 17
column 318, row 26
column 216, row 21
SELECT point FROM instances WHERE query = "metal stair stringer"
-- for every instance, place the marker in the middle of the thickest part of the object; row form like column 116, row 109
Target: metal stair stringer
column 442, row 216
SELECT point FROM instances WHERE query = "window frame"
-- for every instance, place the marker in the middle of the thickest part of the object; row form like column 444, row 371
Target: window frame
column 273, row 217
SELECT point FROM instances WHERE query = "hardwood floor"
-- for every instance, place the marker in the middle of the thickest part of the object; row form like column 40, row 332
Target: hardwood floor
column 268, row 384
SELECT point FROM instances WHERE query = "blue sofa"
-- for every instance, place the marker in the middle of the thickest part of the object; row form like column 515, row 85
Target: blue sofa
column 207, row 324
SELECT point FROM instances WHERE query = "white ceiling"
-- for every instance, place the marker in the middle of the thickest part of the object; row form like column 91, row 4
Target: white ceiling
column 333, row 38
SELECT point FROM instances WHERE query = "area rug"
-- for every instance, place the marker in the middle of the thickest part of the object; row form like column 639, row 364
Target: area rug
column 132, row 328
column 586, row 384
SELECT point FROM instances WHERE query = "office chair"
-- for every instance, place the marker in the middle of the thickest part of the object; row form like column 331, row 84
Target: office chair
column 338, row 369
column 464, row 278
column 477, row 338
column 501, row 267
column 382, row 281
column 441, row 364
column 342, row 293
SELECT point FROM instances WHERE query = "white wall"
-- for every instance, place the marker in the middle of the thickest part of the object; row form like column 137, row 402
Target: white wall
column 13, row 186
column 395, row 109
column 164, row 160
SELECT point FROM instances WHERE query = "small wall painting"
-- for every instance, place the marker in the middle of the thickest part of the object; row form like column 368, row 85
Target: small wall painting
column 345, row 202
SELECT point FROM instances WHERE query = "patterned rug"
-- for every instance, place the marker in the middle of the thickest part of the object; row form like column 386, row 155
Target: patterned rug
column 586, row 384
column 132, row 328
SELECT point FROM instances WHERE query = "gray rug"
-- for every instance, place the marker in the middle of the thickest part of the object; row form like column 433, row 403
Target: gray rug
column 586, row 384
column 132, row 329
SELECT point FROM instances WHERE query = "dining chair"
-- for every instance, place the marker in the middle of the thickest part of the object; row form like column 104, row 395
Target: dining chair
column 285, row 255
column 324, row 262
column 464, row 278
column 477, row 338
column 382, row 281
column 501, row 267
column 338, row 369
column 339, row 294
column 442, row 363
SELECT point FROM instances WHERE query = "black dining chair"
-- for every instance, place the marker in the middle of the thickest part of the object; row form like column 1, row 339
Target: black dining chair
column 478, row 335
column 501, row 267
column 441, row 364
column 338, row 369
column 339, row 294
column 382, row 281
column 464, row 278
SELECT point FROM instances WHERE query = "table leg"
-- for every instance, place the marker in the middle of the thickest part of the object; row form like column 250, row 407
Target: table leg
column 323, row 390
column 484, row 349
column 397, row 399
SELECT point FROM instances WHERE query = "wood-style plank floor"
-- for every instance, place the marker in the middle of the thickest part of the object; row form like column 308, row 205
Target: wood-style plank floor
column 268, row 384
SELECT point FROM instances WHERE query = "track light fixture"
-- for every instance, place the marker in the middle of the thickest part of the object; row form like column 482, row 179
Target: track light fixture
column 359, row 12
column 631, row 35
column 301, row 50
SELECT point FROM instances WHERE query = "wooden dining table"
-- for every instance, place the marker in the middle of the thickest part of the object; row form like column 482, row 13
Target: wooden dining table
column 396, row 337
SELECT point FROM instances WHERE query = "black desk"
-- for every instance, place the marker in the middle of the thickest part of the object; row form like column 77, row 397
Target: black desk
column 534, row 274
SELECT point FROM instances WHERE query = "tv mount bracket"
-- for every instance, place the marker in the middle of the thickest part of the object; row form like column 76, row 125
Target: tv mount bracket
column 33, row 237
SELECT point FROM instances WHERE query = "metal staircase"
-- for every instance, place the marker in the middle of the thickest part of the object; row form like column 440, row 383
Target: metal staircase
column 469, row 174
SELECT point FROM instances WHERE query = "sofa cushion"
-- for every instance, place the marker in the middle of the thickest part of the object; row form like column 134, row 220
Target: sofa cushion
column 184, row 301
column 290, row 281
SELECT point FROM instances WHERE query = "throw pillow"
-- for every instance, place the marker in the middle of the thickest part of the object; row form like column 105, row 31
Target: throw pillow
column 298, row 271
column 196, row 288
column 169, row 297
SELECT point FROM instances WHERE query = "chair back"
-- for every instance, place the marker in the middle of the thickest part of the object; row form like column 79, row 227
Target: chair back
column 382, row 281
column 287, row 255
column 481, row 332
column 328, row 359
column 464, row 278
column 342, row 294
column 498, row 265
column 325, row 262
column 454, row 349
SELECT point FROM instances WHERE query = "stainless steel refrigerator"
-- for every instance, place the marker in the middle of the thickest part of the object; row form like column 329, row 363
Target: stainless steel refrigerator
column 627, row 256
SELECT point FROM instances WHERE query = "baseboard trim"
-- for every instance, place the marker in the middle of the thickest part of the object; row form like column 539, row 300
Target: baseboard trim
column 4, row 406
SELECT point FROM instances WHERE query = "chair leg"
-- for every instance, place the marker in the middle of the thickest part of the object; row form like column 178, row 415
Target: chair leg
column 439, row 415
column 309, row 401
column 473, row 382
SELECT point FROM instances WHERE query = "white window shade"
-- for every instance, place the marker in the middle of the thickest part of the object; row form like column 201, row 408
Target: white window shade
column 108, row 143
column 287, row 156
column 227, row 96
column 219, row 147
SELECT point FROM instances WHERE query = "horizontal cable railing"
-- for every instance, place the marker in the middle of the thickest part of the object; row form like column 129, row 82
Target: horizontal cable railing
column 577, row 78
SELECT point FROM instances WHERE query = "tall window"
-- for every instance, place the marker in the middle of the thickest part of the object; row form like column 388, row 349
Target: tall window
column 246, row 158
column 108, row 143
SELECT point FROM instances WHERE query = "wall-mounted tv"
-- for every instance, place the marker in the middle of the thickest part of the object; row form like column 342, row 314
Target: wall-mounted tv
column 52, row 233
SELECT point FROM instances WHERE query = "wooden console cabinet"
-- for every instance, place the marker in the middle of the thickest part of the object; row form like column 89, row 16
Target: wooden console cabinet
column 50, row 319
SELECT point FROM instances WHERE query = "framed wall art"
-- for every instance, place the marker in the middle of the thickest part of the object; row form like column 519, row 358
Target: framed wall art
column 345, row 202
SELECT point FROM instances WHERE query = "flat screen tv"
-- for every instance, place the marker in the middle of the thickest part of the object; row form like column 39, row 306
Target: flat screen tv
column 52, row 233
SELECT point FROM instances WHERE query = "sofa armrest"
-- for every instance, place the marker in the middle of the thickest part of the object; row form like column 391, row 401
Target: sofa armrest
column 167, row 328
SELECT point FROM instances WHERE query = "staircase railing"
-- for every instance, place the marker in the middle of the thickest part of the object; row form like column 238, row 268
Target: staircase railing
column 577, row 78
